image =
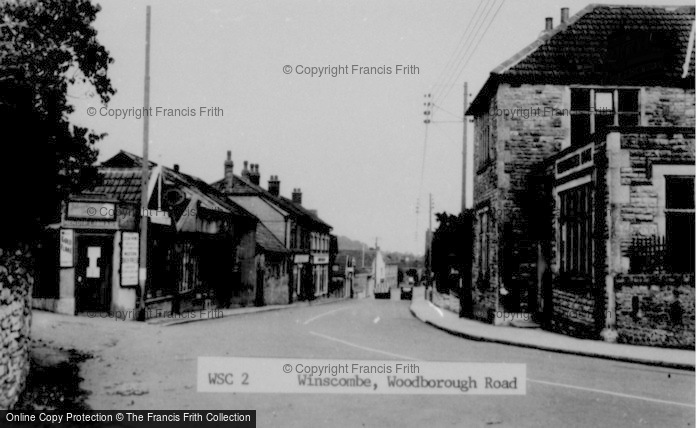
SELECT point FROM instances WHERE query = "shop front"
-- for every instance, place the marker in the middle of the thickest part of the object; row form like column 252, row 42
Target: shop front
column 94, row 259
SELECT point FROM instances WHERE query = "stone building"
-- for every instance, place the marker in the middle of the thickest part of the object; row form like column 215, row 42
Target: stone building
column 299, row 229
column 584, row 153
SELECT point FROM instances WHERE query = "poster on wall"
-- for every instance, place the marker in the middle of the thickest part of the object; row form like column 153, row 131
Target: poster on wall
column 66, row 251
column 130, row 259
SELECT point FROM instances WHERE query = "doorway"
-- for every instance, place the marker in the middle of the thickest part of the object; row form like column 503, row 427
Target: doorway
column 93, row 273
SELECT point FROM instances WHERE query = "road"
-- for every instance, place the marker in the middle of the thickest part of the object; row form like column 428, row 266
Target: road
column 139, row 366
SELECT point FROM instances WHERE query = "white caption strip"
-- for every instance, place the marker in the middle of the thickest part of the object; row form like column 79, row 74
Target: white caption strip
column 289, row 375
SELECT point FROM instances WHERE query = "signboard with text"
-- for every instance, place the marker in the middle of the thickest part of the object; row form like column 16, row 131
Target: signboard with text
column 66, row 250
column 130, row 259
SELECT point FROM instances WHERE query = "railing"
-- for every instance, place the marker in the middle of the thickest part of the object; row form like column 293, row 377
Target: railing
column 649, row 254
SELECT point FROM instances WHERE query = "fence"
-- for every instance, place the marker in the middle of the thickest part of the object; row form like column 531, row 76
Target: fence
column 649, row 254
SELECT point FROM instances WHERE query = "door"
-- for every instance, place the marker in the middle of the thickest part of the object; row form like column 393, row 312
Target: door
column 93, row 282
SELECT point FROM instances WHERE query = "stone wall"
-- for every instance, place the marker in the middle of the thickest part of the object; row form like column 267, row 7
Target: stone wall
column 667, row 106
column 16, row 281
column 446, row 301
column 656, row 309
column 525, row 141
column 573, row 313
column 640, row 208
column 525, row 131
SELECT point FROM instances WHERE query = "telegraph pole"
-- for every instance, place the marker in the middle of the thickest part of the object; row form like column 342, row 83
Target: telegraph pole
column 143, row 247
column 464, row 150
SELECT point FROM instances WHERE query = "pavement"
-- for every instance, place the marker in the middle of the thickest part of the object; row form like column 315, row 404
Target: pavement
column 544, row 340
column 187, row 317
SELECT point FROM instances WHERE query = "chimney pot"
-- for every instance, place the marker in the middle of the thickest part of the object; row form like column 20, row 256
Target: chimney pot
column 255, row 174
column 273, row 186
column 228, row 172
column 548, row 23
column 296, row 196
column 176, row 167
column 564, row 15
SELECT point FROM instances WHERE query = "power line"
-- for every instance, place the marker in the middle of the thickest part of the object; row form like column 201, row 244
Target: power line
column 493, row 17
column 460, row 66
column 464, row 49
column 467, row 30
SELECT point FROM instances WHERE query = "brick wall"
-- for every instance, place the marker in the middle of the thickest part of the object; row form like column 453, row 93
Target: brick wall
column 663, row 313
column 16, row 281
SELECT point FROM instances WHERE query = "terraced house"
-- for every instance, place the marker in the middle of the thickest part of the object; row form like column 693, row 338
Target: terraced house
column 584, row 178
column 303, row 234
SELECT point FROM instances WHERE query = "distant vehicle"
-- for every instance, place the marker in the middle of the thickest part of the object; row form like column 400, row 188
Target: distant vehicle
column 407, row 289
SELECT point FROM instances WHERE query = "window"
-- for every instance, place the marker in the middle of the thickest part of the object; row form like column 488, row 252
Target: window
column 595, row 109
column 576, row 230
column 680, row 223
column 483, row 149
column 483, row 255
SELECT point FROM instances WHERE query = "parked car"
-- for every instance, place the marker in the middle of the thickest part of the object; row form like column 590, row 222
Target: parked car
column 407, row 289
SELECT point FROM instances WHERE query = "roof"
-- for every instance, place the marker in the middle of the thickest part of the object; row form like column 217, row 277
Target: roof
column 243, row 187
column 606, row 45
column 123, row 184
column 267, row 241
column 124, row 161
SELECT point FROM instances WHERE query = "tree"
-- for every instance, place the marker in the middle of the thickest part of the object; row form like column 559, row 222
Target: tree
column 45, row 48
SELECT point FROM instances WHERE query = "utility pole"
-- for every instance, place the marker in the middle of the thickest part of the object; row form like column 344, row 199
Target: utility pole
column 430, row 212
column 464, row 149
column 429, row 235
column 143, row 247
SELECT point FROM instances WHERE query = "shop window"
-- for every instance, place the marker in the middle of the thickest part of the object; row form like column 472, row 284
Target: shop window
column 576, row 230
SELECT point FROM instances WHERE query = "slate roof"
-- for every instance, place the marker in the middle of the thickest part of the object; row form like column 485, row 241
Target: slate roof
column 606, row 45
column 129, row 161
column 267, row 241
column 123, row 184
column 243, row 187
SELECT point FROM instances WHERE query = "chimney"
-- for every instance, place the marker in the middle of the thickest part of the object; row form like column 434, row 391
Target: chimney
column 176, row 168
column 228, row 172
column 255, row 174
column 548, row 24
column 564, row 15
column 245, row 173
column 273, row 186
column 296, row 196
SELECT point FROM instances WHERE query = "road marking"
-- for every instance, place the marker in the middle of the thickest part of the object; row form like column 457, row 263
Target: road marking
column 376, row 320
column 617, row 394
column 439, row 311
column 379, row 351
column 543, row 382
column 312, row 319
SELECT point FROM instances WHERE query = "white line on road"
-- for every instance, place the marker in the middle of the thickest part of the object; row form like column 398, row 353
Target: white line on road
column 617, row 394
column 379, row 351
column 312, row 319
column 543, row 382
column 376, row 320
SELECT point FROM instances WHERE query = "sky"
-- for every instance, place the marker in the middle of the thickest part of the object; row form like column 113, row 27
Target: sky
column 355, row 143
